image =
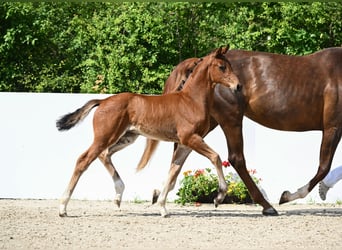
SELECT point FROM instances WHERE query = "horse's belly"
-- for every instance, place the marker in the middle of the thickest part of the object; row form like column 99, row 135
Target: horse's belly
column 162, row 134
column 287, row 122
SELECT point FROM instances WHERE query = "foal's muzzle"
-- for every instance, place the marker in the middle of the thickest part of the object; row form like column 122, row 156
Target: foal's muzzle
column 237, row 88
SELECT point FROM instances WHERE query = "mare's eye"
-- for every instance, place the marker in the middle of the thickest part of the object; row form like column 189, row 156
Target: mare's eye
column 222, row 67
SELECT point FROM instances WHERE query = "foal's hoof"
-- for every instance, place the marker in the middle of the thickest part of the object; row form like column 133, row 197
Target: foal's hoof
column 284, row 197
column 217, row 202
column 155, row 196
column 219, row 199
column 117, row 202
column 165, row 215
column 62, row 215
column 270, row 212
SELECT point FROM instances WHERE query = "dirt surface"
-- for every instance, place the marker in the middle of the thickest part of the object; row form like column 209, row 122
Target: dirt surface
column 35, row 224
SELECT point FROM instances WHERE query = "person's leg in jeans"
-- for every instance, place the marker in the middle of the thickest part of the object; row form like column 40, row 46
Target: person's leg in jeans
column 329, row 181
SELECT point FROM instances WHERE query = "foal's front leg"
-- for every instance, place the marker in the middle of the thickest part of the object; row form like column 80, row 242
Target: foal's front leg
column 197, row 143
column 179, row 156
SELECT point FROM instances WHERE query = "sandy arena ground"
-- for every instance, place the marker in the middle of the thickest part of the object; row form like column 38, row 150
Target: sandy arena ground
column 35, row 224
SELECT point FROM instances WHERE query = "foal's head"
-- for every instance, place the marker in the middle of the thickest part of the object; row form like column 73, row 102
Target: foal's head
column 216, row 64
column 220, row 71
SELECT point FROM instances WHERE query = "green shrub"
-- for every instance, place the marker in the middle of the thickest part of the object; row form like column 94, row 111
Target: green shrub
column 201, row 185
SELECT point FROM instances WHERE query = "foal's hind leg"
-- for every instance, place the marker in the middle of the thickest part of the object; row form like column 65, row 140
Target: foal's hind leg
column 82, row 164
column 105, row 158
column 331, row 138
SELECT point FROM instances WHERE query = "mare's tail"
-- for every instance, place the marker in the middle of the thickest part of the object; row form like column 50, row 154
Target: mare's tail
column 150, row 147
column 69, row 120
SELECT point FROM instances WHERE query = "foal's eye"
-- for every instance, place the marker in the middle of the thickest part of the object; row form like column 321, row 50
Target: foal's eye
column 222, row 67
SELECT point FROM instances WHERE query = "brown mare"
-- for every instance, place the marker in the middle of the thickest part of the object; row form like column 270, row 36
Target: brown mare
column 181, row 117
column 290, row 93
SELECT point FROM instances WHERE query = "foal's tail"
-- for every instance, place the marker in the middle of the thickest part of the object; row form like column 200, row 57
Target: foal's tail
column 69, row 120
column 150, row 147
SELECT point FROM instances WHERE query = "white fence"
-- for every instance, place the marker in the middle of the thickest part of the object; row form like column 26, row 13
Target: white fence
column 37, row 161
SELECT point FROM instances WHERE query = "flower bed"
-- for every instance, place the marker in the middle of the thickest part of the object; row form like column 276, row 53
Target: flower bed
column 201, row 186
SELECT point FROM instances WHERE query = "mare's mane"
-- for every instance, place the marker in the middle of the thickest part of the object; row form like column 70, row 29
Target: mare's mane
column 187, row 74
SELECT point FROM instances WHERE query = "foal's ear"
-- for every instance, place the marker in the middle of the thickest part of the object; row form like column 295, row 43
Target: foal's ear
column 221, row 50
column 225, row 49
column 218, row 52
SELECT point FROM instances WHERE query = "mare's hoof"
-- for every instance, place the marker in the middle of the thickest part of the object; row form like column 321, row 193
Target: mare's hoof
column 270, row 212
column 155, row 196
column 284, row 197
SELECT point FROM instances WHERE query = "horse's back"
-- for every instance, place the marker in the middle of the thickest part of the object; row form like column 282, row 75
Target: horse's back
column 327, row 58
column 332, row 57
column 289, row 92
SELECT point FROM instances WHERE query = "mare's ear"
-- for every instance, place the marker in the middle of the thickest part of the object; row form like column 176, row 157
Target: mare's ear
column 198, row 61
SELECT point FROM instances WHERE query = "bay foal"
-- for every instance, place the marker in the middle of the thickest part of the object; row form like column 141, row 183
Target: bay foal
column 181, row 117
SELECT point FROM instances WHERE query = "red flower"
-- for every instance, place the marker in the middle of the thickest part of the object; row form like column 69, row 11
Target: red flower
column 225, row 164
column 199, row 172
column 252, row 171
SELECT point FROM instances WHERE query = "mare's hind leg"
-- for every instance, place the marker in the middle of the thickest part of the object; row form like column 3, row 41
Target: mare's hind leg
column 82, row 164
column 179, row 156
column 105, row 158
column 331, row 138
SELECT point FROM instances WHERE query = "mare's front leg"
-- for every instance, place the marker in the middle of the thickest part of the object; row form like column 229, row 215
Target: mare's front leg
column 228, row 113
column 105, row 158
column 236, row 158
column 179, row 156
column 330, row 140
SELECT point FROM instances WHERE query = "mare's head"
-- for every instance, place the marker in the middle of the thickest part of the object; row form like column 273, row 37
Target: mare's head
column 179, row 75
column 220, row 71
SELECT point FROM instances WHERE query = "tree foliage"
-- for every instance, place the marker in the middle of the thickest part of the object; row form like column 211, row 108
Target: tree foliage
column 108, row 47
